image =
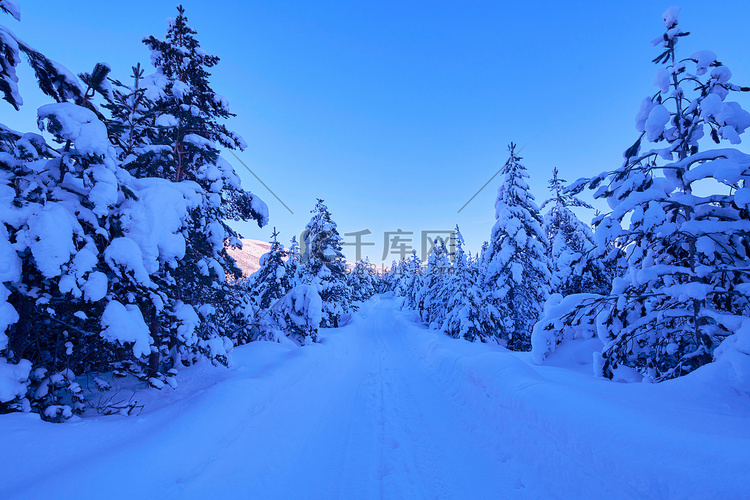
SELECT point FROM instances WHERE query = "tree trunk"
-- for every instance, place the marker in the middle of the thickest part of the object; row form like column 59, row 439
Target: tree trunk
column 153, row 359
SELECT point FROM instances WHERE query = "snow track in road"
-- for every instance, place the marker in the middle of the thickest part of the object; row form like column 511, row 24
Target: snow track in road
column 383, row 408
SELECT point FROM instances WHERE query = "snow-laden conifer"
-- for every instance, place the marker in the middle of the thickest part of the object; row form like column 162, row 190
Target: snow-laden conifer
column 271, row 281
column 516, row 273
column 265, row 289
column 132, row 125
column 466, row 314
column 432, row 297
column 680, row 215
column 573, row 265
column 410, row 280
column 323, row 265
column 389, row 279
column 185, row 136
column 362, row 281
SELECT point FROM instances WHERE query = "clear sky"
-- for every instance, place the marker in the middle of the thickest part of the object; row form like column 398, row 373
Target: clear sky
column 397, row 113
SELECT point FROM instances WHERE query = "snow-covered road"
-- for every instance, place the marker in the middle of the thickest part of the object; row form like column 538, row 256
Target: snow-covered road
column 383, row 408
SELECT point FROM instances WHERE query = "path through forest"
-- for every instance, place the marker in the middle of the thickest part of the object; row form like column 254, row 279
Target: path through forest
column 379, row 409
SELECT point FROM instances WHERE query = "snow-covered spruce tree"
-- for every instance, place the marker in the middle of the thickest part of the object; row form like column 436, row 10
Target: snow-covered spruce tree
column 271, row 281
column 573, row 265
column 292, row 262
column 67, row 208
column 293, row 255
column 685, row 290
column 59, row 234
column 432, row 298
column 389, row 279
column 362, row 281
column 134, row 128
column 59, row 218
column 266, row 287
column 323, row 265
column 374, row 282
column 189, row 130
column 466, row 315
column 516, row 270
column 299, row 314
column 382, row 281
column 410, row 281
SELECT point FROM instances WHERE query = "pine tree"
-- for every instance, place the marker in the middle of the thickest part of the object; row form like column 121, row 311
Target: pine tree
column 293, row 255
column 687, row 254
column 185, row 136
column 516, row 273
column 323, row 265
column 190, row 113
column 299, row 314
column 92, row 281
column 84, row 279
column 271, row 281
column 362, row 281
column 431, row 299
column 391, row 278
column 67, row 227
column 72, row 253
column 264, row 289
column 410, row 282
column 466, row 317
column 573, row 264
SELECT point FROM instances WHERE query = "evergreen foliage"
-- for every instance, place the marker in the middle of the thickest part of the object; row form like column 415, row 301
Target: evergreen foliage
column 687, row 256
column 272, row 280
column 573, row 265
column 362, row 281
column 323, row 266
column 100, row 244
column 466, row 315
column 410, row 282
column 431, row 299
column 184, row 140
column 516, row 275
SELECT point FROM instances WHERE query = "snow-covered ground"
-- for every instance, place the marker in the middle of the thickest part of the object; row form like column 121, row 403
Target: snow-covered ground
column 384, row 408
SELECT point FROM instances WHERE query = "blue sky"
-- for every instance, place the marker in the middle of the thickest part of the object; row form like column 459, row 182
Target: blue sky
column 396, row 113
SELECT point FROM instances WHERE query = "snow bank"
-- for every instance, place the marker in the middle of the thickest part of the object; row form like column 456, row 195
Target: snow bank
column 685, row 438
column 551, row 330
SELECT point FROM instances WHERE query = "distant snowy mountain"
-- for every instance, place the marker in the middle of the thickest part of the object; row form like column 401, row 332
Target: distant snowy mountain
column 248, row 257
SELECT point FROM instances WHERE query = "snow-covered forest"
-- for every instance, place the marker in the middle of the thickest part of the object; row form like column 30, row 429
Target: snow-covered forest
column 470, row 375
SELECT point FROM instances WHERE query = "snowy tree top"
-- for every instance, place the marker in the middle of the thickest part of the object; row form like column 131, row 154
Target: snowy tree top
column 563, row 195
column 671, row 17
